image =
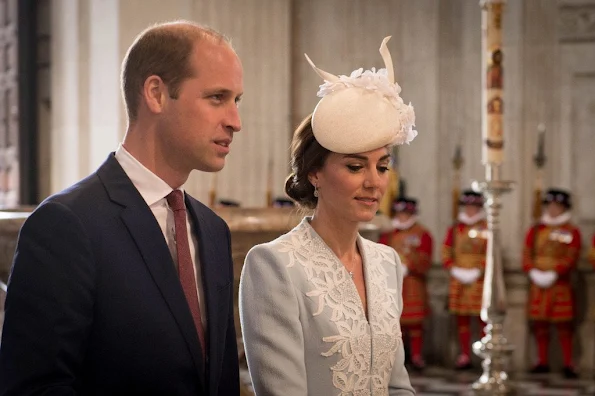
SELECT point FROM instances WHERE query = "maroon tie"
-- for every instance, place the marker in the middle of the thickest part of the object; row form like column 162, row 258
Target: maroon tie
column 175, row 199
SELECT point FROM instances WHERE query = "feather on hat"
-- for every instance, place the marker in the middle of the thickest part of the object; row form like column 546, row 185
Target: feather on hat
column 363, row 111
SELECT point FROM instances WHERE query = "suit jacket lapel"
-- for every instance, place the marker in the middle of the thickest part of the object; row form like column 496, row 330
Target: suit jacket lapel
column 145, row 231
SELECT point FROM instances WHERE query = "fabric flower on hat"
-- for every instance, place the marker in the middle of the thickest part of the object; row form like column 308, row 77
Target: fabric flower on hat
column 363, row 111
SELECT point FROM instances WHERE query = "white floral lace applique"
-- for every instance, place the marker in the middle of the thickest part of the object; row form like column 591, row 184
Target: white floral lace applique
column 357, row 372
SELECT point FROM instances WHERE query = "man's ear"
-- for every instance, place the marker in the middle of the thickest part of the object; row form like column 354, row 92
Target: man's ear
column 154, row 94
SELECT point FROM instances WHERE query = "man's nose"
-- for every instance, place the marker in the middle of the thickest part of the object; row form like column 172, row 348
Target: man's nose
column 233, row 121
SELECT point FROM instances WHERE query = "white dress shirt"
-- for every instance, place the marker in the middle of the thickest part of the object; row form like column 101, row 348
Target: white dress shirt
column 154, row 190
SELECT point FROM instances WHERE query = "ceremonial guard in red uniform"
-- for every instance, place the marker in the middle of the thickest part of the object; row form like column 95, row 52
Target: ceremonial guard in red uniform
column 552, row 250
column 413, row 243
column 464, row 255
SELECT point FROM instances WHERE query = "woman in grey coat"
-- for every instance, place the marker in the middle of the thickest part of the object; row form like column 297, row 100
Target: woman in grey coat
column 320, row 305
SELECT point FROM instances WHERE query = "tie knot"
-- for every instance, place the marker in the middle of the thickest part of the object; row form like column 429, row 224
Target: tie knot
column 175, row 199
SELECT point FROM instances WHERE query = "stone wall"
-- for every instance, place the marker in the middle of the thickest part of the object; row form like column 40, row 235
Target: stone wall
column 437, row 63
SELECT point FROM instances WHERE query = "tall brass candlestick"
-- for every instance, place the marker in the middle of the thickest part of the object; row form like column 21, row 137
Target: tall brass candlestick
column 493, row 348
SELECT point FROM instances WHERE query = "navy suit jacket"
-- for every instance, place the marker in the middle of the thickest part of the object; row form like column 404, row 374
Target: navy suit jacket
column 95, row 305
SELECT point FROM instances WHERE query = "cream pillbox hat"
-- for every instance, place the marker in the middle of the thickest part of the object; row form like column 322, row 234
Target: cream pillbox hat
column 363, row 111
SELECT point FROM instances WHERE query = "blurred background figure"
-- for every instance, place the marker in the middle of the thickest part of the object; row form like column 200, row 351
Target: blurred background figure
column 463, row 255
column 552, row 250
column 413, row 243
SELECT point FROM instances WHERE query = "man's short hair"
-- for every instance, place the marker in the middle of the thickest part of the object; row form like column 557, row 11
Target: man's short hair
column 163, row 50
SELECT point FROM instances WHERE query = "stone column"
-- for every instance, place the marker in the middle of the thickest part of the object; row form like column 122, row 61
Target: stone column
column 84, row 99
column 65, row 131
column 103, row 82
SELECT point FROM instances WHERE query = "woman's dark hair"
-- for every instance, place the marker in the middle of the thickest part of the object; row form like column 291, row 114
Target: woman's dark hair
column 307, row 156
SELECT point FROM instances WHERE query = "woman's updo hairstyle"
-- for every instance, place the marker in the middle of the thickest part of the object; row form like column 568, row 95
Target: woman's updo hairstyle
column 307, row 156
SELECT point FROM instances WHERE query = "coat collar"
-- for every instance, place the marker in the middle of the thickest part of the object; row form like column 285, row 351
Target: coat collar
column 377, row 261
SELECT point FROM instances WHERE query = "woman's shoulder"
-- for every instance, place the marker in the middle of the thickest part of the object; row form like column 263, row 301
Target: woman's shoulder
column 292, row 240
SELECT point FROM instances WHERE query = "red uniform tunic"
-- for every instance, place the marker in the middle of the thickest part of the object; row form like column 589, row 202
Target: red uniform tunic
column 555, row 248
column 414, row 246
column 465, row 247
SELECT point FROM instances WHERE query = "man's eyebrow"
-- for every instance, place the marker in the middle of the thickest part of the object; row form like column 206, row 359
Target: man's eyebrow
column 223, row 91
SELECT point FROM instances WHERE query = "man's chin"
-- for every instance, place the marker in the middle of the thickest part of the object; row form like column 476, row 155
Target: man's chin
column 214, row 166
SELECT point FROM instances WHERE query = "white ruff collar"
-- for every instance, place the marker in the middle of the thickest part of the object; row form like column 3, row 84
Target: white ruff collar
column 556, row 221
column 404, row 225
column 470, row 220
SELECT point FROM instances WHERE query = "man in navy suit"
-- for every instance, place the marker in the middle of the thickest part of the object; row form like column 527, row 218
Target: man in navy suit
column 102, row 298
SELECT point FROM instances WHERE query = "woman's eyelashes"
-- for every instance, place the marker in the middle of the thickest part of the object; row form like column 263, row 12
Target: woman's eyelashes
column 356, row 168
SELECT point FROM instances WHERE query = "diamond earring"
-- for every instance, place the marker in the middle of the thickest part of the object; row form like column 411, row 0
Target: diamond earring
column 316, row 191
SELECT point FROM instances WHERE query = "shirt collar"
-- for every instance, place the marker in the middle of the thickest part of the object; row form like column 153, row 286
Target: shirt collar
column 149, row 185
